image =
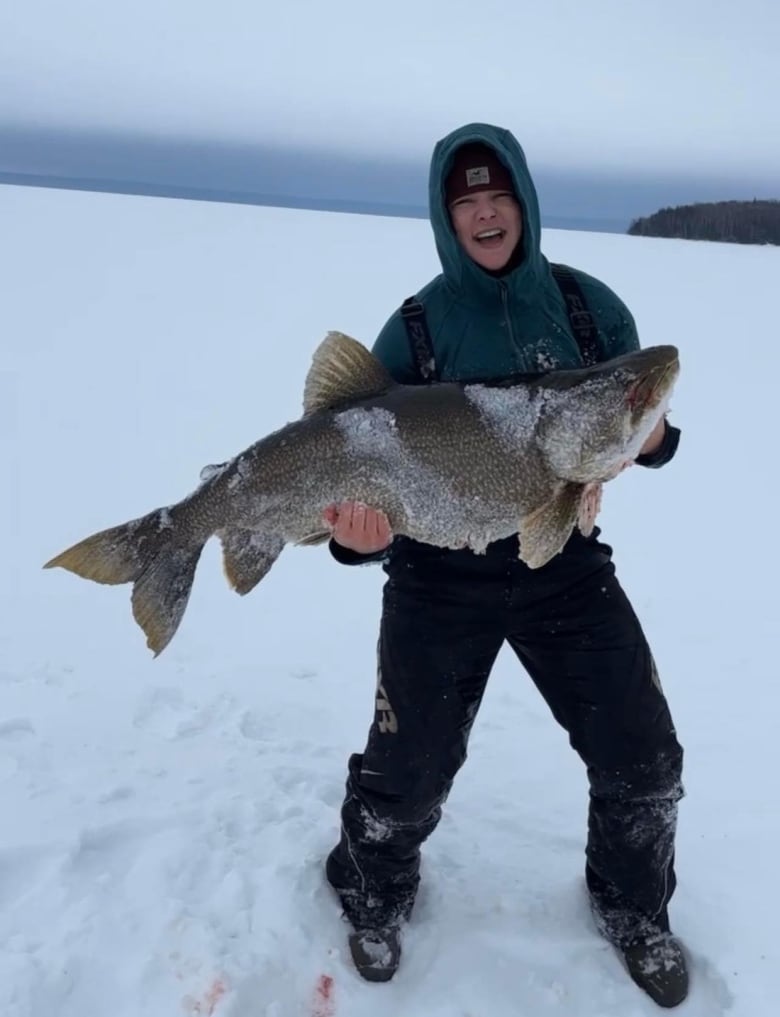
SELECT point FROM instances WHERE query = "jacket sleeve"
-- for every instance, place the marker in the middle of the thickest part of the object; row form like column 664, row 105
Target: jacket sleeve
column 665, row 450
column 345, row 556
column 393, row 350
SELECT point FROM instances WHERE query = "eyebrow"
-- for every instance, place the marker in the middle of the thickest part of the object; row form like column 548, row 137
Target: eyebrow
column 471, row 197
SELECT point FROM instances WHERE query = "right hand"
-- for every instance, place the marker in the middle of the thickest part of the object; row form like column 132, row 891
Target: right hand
column 358, row 527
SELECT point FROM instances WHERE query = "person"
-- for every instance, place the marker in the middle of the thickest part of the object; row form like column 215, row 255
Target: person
column 495, row 311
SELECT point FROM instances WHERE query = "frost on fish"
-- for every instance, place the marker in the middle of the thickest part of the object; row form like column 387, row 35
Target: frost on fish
column 370, row 431
column 511, row 412
column 164, row 522
column 419, row 477
column 211, row 472
column 241, row 472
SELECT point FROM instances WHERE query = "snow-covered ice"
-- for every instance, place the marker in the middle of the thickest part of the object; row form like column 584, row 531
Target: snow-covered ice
column 166, row 820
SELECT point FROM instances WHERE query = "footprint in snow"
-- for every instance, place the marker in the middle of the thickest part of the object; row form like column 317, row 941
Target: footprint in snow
column 166, row 713
column 16, row 729
column 255, row 728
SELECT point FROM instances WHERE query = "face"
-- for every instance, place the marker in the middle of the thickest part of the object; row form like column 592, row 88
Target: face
column 488, row 225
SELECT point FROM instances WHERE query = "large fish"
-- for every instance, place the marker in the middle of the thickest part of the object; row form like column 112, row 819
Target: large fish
column 457, row 465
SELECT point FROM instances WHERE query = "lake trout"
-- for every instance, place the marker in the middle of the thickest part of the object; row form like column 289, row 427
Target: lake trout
column 458, row 465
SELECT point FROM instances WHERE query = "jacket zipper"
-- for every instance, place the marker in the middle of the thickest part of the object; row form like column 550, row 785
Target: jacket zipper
column 504, row 290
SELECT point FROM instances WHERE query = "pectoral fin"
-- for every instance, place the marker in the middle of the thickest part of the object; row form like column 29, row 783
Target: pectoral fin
column 545, row 530
column 590, row 506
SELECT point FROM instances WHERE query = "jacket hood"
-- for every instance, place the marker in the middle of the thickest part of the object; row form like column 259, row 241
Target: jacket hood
column 459, row 270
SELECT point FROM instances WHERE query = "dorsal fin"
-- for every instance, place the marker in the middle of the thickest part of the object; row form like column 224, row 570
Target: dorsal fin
column 342, row 369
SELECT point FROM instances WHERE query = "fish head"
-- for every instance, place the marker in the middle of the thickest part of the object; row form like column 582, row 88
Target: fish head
column 595, row 420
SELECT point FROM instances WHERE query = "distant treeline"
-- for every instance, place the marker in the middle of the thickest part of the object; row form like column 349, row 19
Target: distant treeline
column 735, row 222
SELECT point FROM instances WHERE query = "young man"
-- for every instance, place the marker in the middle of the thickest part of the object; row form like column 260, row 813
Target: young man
column 493, row 312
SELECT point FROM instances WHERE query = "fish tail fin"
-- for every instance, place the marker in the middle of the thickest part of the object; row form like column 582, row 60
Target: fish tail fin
column 147, row 553
column 247, row 556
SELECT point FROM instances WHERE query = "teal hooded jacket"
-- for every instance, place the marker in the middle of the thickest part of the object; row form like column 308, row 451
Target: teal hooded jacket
column 487, row 327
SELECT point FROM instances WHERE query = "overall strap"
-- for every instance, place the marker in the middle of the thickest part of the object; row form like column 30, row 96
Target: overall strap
column 413, row 314
column 581, row 320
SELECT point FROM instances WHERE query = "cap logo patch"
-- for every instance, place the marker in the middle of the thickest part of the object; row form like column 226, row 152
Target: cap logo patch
column 477, row 177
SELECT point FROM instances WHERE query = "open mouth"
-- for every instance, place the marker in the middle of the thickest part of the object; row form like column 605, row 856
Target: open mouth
column 490, row 238
column 650, row 390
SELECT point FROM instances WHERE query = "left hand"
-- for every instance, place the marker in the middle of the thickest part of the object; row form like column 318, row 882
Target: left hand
column 358, row 527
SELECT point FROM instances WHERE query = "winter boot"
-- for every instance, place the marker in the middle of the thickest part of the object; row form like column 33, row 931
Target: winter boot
column 376, row 952
column 657, row 964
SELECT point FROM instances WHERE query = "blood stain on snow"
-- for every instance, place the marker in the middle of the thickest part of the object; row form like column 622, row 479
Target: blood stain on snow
column 208, row 1004
column 324, row 1004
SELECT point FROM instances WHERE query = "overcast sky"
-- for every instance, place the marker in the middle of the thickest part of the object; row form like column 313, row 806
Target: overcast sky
column 674, row 84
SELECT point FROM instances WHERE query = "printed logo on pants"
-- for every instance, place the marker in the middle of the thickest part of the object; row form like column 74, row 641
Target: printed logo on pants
column 386, row 720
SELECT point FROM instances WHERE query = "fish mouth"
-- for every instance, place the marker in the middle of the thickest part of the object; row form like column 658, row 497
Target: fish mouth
column 650, row 390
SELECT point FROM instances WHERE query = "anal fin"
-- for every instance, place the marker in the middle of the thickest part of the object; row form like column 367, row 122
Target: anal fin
column 247, row 556
column 313, row 539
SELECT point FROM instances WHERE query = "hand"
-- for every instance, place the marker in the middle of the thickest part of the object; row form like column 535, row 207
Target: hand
column 358, row 527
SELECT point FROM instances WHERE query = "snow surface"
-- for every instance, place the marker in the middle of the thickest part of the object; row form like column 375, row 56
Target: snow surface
column 166, row 820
